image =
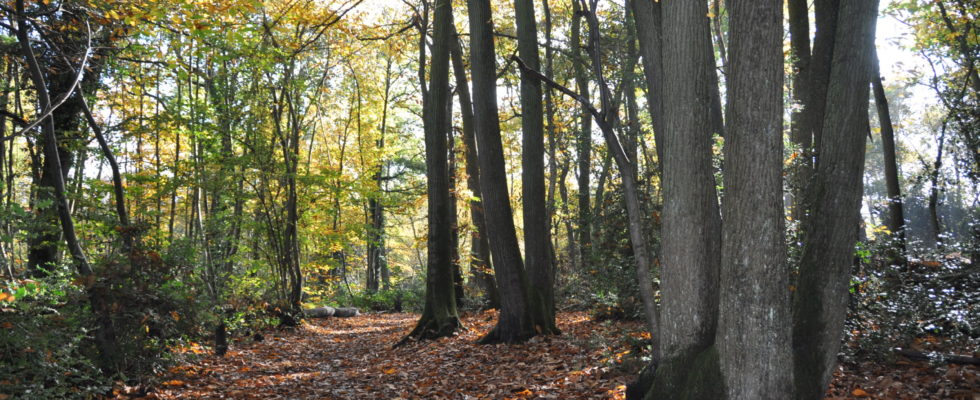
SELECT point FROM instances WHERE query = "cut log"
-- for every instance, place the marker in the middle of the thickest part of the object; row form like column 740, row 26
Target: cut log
column 326, row 312
column 320, row 312
column 346, row 312
column 947, row 358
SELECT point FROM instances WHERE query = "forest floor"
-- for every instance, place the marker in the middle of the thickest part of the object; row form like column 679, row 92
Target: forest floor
column 353, row 358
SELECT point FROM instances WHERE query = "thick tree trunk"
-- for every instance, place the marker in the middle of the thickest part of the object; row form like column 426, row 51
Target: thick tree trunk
column 820, row 301
column 753, row 338
column 439, row 316
column 691, row 241
column 537, row 230
column 896, row 212
column 479, row 240
column 514, row 323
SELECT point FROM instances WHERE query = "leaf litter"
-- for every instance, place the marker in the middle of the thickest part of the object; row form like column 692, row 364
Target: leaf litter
column 353, row 358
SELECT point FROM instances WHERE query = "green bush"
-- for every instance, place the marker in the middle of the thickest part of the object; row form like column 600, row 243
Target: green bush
column 45, row 351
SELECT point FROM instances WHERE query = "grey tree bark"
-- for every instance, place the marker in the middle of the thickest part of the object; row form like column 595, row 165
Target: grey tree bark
column 753, row 341
column 691, row 250
column 820, row 301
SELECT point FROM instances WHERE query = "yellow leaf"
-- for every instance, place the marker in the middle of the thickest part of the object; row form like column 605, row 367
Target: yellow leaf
column 711, row 14
column 389, row 370
column 174, row 382
column 4, row 296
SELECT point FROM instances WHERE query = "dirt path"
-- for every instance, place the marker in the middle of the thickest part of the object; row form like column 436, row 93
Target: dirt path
column 352, row 358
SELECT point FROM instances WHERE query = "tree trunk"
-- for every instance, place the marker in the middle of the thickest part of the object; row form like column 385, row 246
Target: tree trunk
column 934, row 190
column 690, row 246
column 105, row 335
column 537, row 230
column 584, row 143
column 820, row 301
column 514, row 323
column 801, row 133
column 479, row 239
column 824, row 36
column 753, row 341
column 458, row 284
column 439, row 316
column 649, row 30
column 896, row 212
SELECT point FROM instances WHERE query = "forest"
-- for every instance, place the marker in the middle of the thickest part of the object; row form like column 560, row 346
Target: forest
column 438, row 199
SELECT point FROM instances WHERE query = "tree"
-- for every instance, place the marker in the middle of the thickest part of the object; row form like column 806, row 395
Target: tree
column 753, row 341
column 753, row 325
column 537, row 229
column 690, row 248
column 820, row 300
column 896, row 213
column 105, row 336
column 514, row 323
column 479, row 242
column 583, row 141
column 439, row 317
column 61, row 82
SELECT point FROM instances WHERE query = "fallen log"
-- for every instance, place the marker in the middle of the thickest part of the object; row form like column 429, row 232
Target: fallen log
column 948, row 358
column 326, row 312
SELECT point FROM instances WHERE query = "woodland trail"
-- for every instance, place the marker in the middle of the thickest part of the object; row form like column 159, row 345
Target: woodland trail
column 353, row 358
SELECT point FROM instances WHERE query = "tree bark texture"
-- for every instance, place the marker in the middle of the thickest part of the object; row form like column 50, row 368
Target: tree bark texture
column 439, row 316
column 480, row 266
column 537, row 230
column 820, row 301
column 753, row 341
column 514, row 323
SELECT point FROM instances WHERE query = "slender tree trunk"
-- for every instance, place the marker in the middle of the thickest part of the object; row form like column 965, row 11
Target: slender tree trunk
column 607, row 119
column 820, row 301
column 459, row 288
column 896, row 212
column 935, row 189
column 584, row 142
column 801, row 133
column 753, row 341
column 514, row 323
